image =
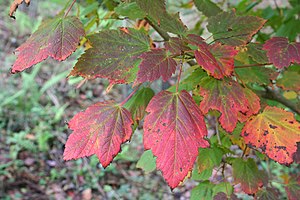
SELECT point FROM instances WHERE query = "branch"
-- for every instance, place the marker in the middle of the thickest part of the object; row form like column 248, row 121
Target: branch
column 274, row 95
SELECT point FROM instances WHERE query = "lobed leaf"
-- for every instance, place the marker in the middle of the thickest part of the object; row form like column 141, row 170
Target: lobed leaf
column 216, row 59
column 176, row 45
column 57, row 38
column 155, row 63
column 113, row 55
column 174, row 130
column 226, row 96
column 100, row 130
column 234, row 30
column 247, row 173
column 275, row 132
column 282, row 53
column 260, row 75
column 290, row 79
column 207, row 190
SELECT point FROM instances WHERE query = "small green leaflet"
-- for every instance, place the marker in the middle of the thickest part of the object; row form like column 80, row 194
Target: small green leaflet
column 207, row 7
column 207, row 190
column 147, row 162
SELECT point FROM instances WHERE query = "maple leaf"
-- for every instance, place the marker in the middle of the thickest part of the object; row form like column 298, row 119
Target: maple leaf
column 155, row 63
column 14, row 6
column 174, row 130
column 226, row 96
column 234, row 30
column 57, row 38
column 247, row 173
column 216, row 59
column 275, row 132
column 282, row 53
column 100, row 130
column 113, row 55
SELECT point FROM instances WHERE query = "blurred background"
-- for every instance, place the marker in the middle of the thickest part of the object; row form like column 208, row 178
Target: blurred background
column 36, row 105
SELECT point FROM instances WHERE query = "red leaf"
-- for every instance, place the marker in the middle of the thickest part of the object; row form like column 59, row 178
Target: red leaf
column 282, row 53
column 275, row 132
column 226, row 96
column 254, row 105
column 100, row 130
column 57, row 38
column 156, row 63
column 216, row 59
column 247, row 173
column 174, row 130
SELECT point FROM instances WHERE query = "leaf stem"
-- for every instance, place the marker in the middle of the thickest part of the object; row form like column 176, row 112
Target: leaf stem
column 130, row 95
column 66, row 14
column 179, row 75
column 253, row 65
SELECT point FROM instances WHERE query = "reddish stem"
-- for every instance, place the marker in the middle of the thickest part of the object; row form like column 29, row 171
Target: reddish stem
column 179, row 75
column 129, row 96
column 66, row 14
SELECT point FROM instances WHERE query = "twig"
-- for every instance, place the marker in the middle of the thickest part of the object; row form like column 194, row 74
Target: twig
column 66, row 14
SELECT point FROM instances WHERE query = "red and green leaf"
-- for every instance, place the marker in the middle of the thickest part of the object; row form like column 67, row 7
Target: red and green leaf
column 247, row 174
column 282, row 53
column 275, row 132
column 57, row 38
column 100, row 130
column 174, row 130
column 234, row 30
column 226, row 96
column 156, row 63
column 216, row 59
column 176, row 45
column 113, row 55
column 254, row 105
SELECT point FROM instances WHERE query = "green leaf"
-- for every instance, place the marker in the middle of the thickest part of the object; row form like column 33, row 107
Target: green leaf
column 260, row 75
column 208, row 159
column 267, row 194
column 147, row 162
column 207, row 7
column 255, row 51
column 247, row 173
column 138, row 103
column 234, row 30
column 157, row 14
column 130, row 10
column 113, row 55
column 290, row 79
column 206, row 190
